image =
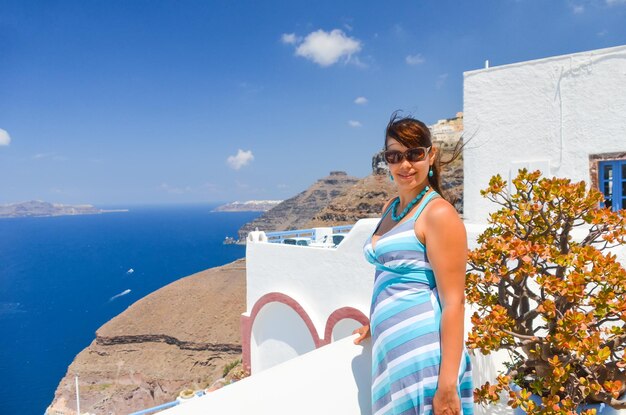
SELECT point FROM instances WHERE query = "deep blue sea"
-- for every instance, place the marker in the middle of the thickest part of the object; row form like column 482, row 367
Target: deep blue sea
column 58, row 276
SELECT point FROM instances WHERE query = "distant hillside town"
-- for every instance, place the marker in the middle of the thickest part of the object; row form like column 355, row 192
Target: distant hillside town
column 447, row 133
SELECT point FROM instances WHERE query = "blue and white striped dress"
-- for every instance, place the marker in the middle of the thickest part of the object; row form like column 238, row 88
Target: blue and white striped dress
column 405, row 318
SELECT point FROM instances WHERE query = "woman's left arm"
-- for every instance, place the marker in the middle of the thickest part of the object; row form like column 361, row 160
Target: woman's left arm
column 446, row 239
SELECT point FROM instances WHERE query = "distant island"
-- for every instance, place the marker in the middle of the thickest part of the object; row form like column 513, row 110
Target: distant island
column 37, row 208
column 249, row 206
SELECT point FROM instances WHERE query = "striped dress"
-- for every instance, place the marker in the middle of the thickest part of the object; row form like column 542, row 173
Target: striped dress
column 405, row 317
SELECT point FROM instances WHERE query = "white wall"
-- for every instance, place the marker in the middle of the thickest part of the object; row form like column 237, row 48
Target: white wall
column 334, row 379
column 321, row 280
column 548, row 114
column 551, row 112
column 278, row 334
column 344, row 328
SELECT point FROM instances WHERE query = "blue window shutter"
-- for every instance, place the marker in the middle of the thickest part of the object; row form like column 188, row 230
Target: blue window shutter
column 612, row 183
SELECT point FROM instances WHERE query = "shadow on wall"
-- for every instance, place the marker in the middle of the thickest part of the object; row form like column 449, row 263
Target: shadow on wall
column 331, row 379
column 280, row 334
column 362, row 372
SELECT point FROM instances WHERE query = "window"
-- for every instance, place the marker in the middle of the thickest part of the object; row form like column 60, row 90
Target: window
column 612, row 183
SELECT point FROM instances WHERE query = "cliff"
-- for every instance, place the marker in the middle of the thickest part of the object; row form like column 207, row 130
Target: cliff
column 295, row 212
column 181, row 336
column 365, row 199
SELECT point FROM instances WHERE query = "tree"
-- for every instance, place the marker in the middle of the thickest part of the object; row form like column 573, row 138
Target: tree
column 555, row 302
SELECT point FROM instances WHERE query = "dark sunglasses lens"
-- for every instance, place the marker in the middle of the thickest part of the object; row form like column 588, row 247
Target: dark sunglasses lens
column 393, row 156
column 416, row 154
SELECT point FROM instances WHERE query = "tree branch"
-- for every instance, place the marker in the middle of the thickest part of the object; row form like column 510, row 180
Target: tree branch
column 531, row 339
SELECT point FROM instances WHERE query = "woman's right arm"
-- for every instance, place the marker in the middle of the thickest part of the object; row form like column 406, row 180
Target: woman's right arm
column 364, row 333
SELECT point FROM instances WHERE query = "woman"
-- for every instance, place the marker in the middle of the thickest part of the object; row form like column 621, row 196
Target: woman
column 419, row 248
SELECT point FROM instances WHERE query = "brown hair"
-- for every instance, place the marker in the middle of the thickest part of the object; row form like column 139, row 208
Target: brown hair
column 411, row 133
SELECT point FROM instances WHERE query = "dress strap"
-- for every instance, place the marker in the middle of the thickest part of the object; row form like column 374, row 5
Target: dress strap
column 430, row 196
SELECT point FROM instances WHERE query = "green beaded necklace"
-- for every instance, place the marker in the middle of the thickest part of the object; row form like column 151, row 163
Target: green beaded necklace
column 396, row 202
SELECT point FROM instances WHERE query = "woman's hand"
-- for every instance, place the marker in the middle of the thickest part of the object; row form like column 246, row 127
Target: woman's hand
column 446, row 402
column 364, row 333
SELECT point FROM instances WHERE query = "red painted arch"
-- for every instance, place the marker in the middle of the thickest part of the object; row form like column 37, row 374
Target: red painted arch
column 248, row 322
column 341, row 314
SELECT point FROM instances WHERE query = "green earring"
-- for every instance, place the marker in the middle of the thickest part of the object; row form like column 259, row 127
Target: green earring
column 390, row 177
column 430, row 172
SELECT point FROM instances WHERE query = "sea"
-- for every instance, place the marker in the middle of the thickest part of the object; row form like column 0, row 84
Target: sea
column 61, row 278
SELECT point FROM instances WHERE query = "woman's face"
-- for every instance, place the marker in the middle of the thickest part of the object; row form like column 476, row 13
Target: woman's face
column 409, row 175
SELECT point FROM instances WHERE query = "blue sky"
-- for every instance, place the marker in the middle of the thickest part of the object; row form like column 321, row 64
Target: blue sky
column 132, row 102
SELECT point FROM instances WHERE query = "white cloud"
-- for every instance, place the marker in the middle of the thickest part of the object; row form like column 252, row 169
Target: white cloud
column 360, row 101
column 578, row 9
column 615, row 2
column 357, row 61
column 289, row 38
column 415, row 59
column 241, row 159
column 327, row 48
column 441, row 80
column 354, row 124
column 5, row 138
column 602, row 33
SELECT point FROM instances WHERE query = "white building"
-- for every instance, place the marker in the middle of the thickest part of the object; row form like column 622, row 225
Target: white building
column 564, row 115
column 447, row 133
column 300, row 298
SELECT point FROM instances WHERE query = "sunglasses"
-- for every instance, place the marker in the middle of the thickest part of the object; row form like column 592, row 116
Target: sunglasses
column 412, row 155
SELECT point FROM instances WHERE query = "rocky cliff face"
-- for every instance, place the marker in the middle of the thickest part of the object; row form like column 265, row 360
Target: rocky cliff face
column 452, row 180
column 181, row 336
column 342, row 200
column 363, row 200
column 366, row 198
column 294, row 213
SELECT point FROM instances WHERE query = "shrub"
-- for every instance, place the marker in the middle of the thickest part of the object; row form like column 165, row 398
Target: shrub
column 230, row 366
column 557, row 304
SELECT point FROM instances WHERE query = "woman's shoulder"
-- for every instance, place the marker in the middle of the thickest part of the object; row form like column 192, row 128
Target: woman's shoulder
column 440, row 210
column 442, row 227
